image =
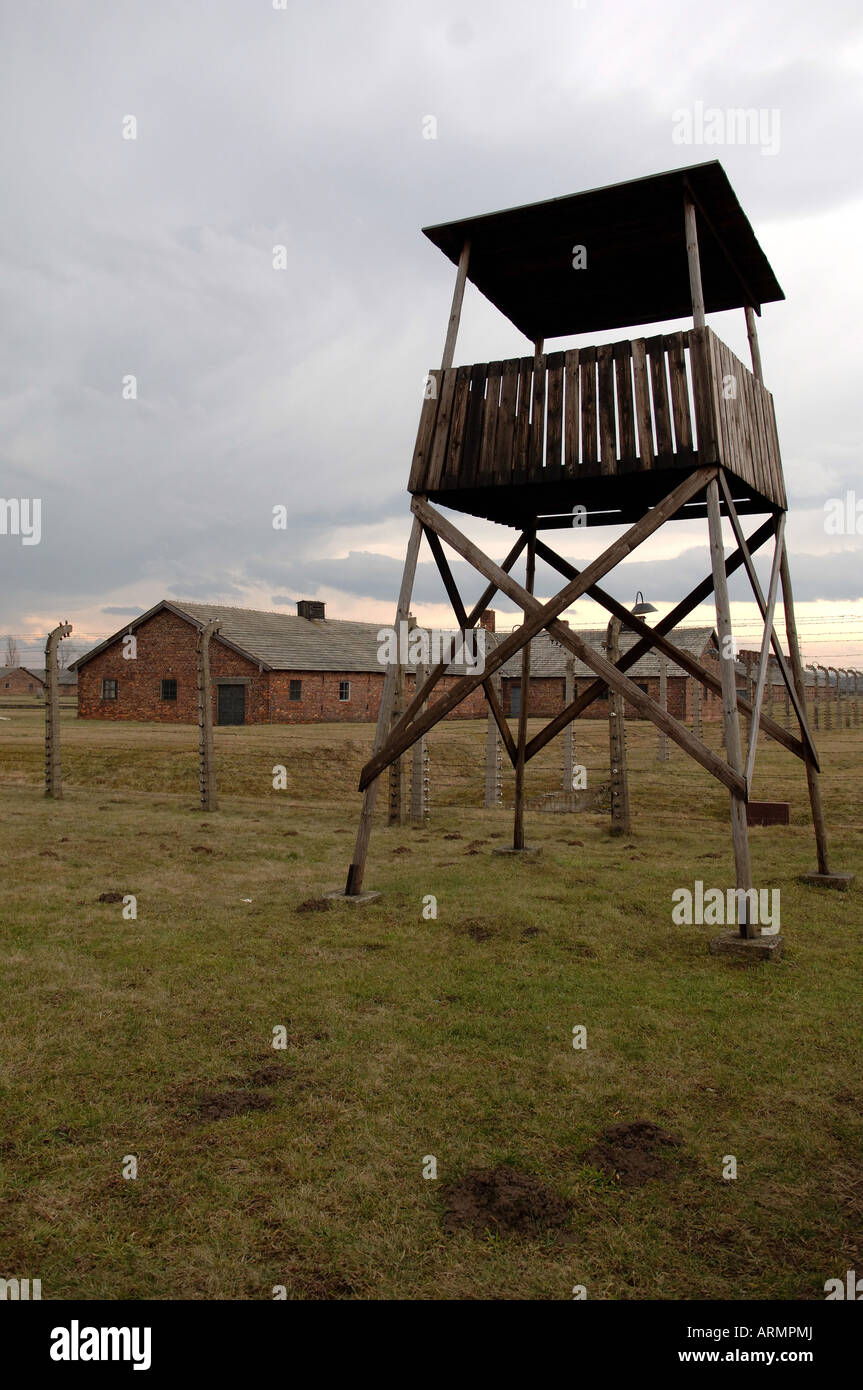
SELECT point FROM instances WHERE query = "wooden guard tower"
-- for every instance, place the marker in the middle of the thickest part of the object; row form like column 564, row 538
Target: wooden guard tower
column 638, row 432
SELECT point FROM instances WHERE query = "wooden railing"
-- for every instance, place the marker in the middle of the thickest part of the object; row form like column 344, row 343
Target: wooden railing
column 674, row 400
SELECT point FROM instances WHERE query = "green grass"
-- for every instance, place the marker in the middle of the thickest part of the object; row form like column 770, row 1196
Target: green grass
column 410, row 1037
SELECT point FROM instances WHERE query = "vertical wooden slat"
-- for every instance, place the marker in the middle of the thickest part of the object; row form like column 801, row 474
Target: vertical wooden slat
column 587, row 383
column 473, row 424
column 753, row 433
column 656, row 353
column 643, row 416
column 571, row 410
column 537, row 422
column 503, row 444
column 679, row 395
column 554, row 440
column 521, row 437
column 625, row 414
column 703, row 391
column 441, row 430
column 425, row 432
column 607, row 432
column 489, row 425
column 452, row 464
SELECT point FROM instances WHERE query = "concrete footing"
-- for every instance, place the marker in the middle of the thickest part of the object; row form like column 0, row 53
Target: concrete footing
column 842, row 882
column 731, row 943
column 357, row 898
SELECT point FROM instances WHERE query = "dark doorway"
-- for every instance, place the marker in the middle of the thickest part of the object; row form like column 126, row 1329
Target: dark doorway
column 232, row 704
column 515, row 698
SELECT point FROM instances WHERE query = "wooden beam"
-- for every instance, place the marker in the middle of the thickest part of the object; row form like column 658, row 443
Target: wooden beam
column 754, row 349
column 818, row 821
column 695, row 287
column 611, row 674
column 755, row 584
column 764, row 658
column 354, row 882
column 731, row 726
column 455, row 311
column 518, row 819
column 692, row 484
column 206, row 753
column 654, row 639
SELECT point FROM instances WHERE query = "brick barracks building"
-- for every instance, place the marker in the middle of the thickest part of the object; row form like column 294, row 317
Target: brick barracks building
column 277, row 668
column 265, row 668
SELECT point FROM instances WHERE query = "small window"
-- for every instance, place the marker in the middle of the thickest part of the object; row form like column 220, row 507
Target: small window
column 344, row 690
column 109, row 690
column 296, row 690
column 169, row 690
column 642, row 685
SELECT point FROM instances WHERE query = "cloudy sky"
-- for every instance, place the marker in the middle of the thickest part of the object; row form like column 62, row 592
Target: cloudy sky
column 260, row 125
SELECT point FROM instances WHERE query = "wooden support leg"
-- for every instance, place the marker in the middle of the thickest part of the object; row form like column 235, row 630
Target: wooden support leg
column 492, row 756
column 518, row 820
column 569, row 731
column 799, row 682
column 730, row 724
column 354, row 885
column 662, row 747
column 620, row 819
column 419, row 767
column 53, row 770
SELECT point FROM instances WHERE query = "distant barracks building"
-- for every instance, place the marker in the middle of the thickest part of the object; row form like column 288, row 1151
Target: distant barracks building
column 277, row 668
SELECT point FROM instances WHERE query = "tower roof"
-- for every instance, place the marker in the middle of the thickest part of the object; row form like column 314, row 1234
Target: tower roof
column 636, row 266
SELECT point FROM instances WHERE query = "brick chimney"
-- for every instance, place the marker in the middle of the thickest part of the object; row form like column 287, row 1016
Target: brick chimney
column 486, row 619
column 311, row 609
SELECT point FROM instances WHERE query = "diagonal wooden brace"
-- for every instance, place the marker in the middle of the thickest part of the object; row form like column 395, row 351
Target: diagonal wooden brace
column 596, row 691
column 654, row 639
column 610, row 673
column 463, row 620
column 689, row 487
column 481, row 604
column 799, row 709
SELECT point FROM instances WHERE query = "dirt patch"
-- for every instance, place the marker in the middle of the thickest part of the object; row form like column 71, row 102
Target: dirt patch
column 270, row 1074
column 49, row 853
column 202, row 849
column 374, row 946
column 575, row 842
column 226, row 1104
column 110, row 897
column 580, row 948
column 530, row 931
column 850, row 1098
column 634, row 1153
column 315, row 905
column 504, row 1201
column 476, row 929
column 454, row 835
column 401, row 849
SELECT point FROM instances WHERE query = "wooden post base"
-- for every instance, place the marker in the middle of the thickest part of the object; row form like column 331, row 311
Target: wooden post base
column 841, row 882
column 754, row 948
column 339, row 895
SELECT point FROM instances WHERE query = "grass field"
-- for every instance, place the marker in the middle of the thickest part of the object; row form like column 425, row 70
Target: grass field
column 410, row 1037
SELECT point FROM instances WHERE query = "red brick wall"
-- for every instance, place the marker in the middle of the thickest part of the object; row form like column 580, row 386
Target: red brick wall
column 546, row 698
column 20, row 683
column 320, row 701
column 165, row 650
